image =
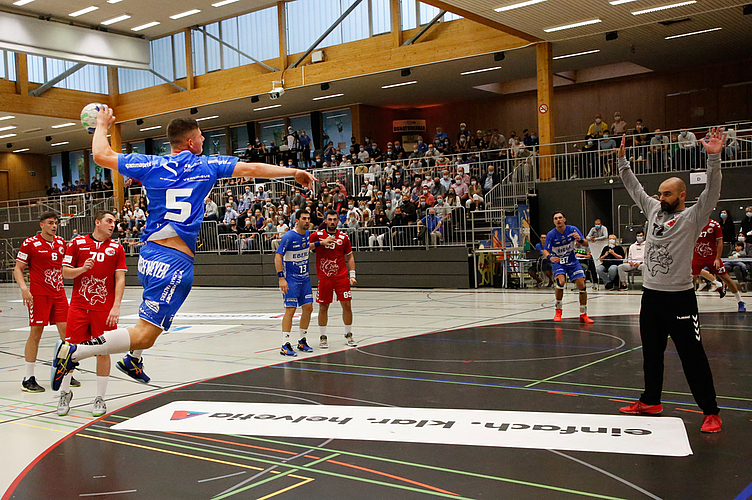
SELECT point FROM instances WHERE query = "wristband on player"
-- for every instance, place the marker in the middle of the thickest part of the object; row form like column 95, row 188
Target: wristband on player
column 317, row 244
column 352, row 274
column 280, row 274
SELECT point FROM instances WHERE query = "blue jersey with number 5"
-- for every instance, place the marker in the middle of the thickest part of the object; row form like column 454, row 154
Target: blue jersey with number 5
column 176, row 187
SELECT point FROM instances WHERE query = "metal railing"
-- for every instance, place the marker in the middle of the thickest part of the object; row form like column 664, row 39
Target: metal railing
column 69, row 205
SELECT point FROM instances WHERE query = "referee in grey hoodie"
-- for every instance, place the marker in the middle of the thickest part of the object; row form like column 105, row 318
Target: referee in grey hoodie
column 669, row 304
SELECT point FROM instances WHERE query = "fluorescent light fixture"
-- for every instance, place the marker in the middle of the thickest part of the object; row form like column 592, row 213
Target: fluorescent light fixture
column 114, row 1
column 35, row 129
column 573, row 25
column 155, row 127
column 186, row 13
column 398, row 84
column 59, row 143
column 578, row 54
column 480, row 70
column 693, row 33
column 619, row 2
column 335, row 116
column 84, row 11
column 116, row 19
column 207, row 118
column 274, row 126
column 663, row 7
column 9, row 127
column 144, row 26
column 63, row 125
column 21, row 150
column 223, row 2
column 9, row 117
column 7, row 135
column 22, row 2
column 327, row 97
column 518, row 5
column 268, row 107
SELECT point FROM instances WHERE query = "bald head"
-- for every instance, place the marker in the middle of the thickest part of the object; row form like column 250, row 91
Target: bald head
column 673, row 192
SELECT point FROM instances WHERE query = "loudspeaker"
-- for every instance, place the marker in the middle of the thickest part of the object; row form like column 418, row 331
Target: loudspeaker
column 324, row 86
column 139, row 122
column 499, row 56
column 612, row 35
column 747, row 9
column 194, row 111
column 255, row 98
column 405, row 72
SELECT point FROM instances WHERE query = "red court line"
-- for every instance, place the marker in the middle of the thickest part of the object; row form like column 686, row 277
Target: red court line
column 244, row 445
column 693, row 411
column 410, row 481
column 620, row 400
column 46, row 411
column 562, row 393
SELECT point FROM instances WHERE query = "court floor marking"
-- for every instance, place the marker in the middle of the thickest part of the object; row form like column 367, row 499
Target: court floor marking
column 584, row 366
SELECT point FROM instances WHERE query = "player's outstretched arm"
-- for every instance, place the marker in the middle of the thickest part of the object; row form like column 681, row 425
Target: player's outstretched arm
column 104, row 156
column 266, row 171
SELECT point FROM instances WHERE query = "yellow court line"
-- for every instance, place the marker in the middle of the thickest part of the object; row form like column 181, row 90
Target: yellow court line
column 187, row 455
column 279, row 492
column 43, row 428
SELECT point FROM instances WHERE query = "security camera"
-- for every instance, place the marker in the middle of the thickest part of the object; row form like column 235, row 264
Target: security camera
column 277, row 89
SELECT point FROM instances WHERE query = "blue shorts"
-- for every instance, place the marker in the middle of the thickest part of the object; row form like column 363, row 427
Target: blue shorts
column 167, row 276
column 571, row 270
column 299, row 293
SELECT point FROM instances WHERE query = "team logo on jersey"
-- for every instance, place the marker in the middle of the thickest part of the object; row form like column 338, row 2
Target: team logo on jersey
column 54, row 278
column 659, row 259
column 704, row 250
column 93, row 290
column 154, row 306
column 61, row 250
column 109, row 251
column 329, row 267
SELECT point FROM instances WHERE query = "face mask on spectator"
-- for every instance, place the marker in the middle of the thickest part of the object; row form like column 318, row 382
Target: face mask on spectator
column 388, row 205
column 639, row 239
column 351, row 206
column 472, row 182
column 425, row 191
column 749, row 214
column 723, row 216
column 321, row 205
column 589, row 143
column 617, row 118
column 420, row 142
column 597, row 226
column 597, row 120
column 451, row 192
column 422, row 203
column 439, row 201
column 462, row 139
column 684, row 134
column 379, row 196
column 611, row 243
column 397, row 196
column 605, row 136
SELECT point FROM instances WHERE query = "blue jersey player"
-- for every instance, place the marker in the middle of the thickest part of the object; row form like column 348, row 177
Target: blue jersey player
column 559, row 249
column 176, row 186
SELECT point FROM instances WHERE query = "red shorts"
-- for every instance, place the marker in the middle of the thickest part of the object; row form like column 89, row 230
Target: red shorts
column 84, row 325
column 48, row 310
column 327, row 286
column 699, row 264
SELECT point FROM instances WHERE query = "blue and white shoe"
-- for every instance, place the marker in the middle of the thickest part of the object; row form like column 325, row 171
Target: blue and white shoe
column 303, row 345
column 286, row 350
column 62, row 364
column 133, row 368
column 742, row 307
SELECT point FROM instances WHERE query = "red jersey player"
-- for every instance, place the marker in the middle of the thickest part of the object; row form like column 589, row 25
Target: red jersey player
column 332, row 263
column 97, row 265
column 707, row 254
column 45, row 297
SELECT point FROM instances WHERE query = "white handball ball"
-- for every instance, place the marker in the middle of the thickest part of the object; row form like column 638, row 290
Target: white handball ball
column 89, row 116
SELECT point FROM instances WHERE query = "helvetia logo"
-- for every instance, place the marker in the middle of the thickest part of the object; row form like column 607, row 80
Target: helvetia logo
column 182, row 414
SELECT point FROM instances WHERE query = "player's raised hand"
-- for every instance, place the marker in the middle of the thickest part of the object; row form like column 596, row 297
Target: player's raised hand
column 304, row 178
column 88, row 264
column 716, row 140
column 105, row 116
column 623, row 147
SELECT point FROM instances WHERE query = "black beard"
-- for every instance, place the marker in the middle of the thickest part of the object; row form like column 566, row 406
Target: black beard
column 669, row 207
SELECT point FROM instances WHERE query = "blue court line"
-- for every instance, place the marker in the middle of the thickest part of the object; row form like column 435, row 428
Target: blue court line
column 744, row 495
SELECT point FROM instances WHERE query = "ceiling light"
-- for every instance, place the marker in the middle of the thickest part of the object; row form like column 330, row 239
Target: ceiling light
column 480, row 70
column 518, row 5
column 7, row 135
column 144, row 26
column 9, row 127
column 207, row 118
column 398, row 84
column 59, row 143
column 574, row 25
column 268, row 107
column 21, row 150
column 663, row 7
column 114, row 1
column 63, row 125
column 36, row 129
column 327, row 97
column 223, row 2
column 619, row 2
column 693, row 33
column 116, row 19
column 22, row 2
column 155, row 127
column 577, row 54
column 9, row 117
column 186, row 13
column 84, row 11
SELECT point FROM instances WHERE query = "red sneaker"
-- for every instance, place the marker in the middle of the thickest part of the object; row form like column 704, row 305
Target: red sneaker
column 585, row 319
column 711, row 424
column 557, row 316
column 640, row 408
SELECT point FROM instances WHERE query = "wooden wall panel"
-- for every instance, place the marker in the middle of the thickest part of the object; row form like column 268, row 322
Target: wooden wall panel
column 21, row 183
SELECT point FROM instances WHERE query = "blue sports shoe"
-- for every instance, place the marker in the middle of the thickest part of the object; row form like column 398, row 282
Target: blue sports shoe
column 62, row 364
column 133, row 368
column 303, row 346
column 286, row 350
column 742, row 307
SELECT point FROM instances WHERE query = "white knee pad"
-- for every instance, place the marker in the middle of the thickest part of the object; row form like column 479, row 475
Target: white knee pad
column 557, row 285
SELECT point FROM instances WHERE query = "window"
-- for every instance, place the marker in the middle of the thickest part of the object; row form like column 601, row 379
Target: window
column 416, row 13
column 162, row 147
column 215, row 143
column 238, row 138
column 163, row 61
column 308, row 19
column 337, row 128
column 273, row 130
column 7, row 65
column 381, row 16
column 56, row 162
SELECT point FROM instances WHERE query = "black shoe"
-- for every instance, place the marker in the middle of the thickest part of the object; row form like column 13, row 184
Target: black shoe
column 74, row 382
column 623, row 287
column 31, row 385
column 609, row 286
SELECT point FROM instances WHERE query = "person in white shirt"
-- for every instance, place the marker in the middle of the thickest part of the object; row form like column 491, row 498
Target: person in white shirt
column 598, row 237
column 635, row 259
column 687, row 152
column 139, row 218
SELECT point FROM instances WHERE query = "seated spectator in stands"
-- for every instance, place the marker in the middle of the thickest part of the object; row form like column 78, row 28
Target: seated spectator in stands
column 607, row 147
column 230, row 215
column 389, row 209
column 210, row 210
column 635, row 260
column 376, row 153
column 249, row 236
column 353, row 211
column 410, row 209
column 541, row 265
column 399, row 150
column 490, row 179
column 728, row 228
column 437, row 188
column 298, row 198
column 262, row 195
column 497, row 142
column 474, row 196
column 260, row 220
column 379, row 232
column 440, row 134
column 465, row 176
column 421, row 208
column 95, row 185
column 641, row 139
column 746, row 228
column 387, row 172
column 138, row 218
column 431, row 155
column 55, row 190
column 463, row 145
column 598, row 128
column 422, row 146
column 741, row 269
column 460, row 188
column 659, row 145
column 363, row 208
column 464, row 132
column 732, row 145
column 443, row 210
column 397, row 230
column 530, row 140
column 416, row 189
column 687, row 152
column 325, row 197
column 360, row 170
column 431, row 228
column 426, row 194
column 329, row 152
column 447, row 148
column 611, row 256
column 618, row 128
column 478, row 143
column 363, row 155
column 452, row 200
column 446, row 180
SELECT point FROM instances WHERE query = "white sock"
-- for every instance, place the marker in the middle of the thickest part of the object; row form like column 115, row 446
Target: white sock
column 65, row 385
column 137, row 354
column 302, row 333
column 583, row 309
column 30, row 369
column 348, row 329
column 558, row 304
column 112, row 342
column 322, row 330
column 717, row 284
column 738, row 296
column 285, row 337
column 102, row 385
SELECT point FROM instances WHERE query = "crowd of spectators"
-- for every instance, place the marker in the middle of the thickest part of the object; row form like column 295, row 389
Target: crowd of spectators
column 98, row 188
